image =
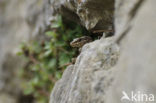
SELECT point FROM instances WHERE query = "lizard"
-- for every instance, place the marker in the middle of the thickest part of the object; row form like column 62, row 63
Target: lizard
column 79, row 42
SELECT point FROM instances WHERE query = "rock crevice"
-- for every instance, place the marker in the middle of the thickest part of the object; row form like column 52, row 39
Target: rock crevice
column 100, row 74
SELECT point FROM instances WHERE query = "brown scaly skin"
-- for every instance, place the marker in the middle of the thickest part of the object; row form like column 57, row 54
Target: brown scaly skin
column 79, row 42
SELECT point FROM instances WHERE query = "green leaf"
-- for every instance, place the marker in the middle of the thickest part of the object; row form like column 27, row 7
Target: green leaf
column 55, row 25
column 64, row 58
column 52, row 63
column 35, row 68
column 51, row 54
column 48, row 46
column 58, row 75
column 19, row 53
column 44, row 75
column 51, row 34
column 59, row 43
column 28, row 91
column 47, row 53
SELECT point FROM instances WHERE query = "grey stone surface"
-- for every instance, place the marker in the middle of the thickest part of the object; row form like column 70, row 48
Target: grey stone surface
column 5, row 98
column 92, row 81
column 90, row 13
column 135, row 70
column 20, row 21
column 97, row 76
column 89, row 79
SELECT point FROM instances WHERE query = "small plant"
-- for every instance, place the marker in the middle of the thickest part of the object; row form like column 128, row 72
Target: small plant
column 47, row 59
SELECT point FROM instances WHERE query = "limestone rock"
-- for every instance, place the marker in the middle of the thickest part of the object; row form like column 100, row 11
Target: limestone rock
column 92, row 14
column 89, row 79
column 137, row 61
column 7, row 99
column 20, row 21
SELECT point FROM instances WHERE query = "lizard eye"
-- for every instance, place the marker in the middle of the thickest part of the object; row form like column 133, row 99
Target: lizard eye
column 79, row 39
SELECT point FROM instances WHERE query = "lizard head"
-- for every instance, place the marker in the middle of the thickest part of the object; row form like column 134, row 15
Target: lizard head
column 79, row 42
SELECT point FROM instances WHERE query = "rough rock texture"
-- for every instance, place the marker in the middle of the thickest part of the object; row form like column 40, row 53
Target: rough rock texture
column 93, row 14
column 20, row 20
column 93, row 79
column 97, row 76
column 136, row 67
column 89, row 79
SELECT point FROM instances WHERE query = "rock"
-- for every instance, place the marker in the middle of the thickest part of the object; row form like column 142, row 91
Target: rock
column 98, row 76
column 91, row 80
column 88, row 80
column 90, row 13
column 137, row 61
column 20, row 21
column 7, row 99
